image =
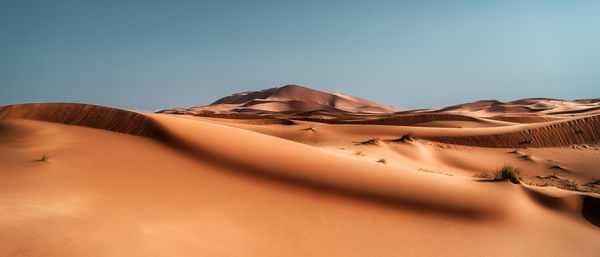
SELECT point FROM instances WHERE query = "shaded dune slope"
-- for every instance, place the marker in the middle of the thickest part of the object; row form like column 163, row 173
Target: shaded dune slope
column 563, row 133
column 585, row 205
column 541, row 134
column 86, row 115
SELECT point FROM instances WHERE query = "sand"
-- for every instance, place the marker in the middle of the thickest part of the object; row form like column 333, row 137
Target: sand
column 84, row 180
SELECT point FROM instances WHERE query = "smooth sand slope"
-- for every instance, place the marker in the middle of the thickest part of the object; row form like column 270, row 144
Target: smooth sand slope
column 83, row 180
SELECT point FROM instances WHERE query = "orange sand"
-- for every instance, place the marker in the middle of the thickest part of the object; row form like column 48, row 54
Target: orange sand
column 121, row 183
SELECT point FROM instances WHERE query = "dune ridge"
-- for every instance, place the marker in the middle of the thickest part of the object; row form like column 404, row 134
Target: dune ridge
column 534, row 106
column 87, row 115
column 563, row 133
column 398, row 120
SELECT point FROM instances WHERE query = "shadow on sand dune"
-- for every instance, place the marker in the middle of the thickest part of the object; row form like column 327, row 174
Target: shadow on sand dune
column 587, row 206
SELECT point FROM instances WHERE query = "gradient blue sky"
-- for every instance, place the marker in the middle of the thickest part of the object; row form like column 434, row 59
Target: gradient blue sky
column 150, row 55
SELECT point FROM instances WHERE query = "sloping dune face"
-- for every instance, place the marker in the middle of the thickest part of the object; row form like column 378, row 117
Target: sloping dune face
column 527, row 106
column 85, row 115
column 288, row 99
column 564, row 133
column 168, row 185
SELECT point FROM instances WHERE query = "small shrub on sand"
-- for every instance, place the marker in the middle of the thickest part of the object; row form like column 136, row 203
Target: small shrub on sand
column 44, row 158
column 359, row 153
column 406, row 137
column 508, row 173
column 310, row 128
column 526, row 157
column 382, row 161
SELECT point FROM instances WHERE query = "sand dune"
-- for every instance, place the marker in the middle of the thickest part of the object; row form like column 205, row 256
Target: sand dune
column 246, row 183
column 563, row 133
column 85, row 115
column 287, row 99
column 526, row 106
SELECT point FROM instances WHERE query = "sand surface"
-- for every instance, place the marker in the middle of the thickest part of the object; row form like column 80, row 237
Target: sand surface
column 84, row 180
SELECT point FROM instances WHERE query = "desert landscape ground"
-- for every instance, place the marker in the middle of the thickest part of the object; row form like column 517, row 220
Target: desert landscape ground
column 292, row 171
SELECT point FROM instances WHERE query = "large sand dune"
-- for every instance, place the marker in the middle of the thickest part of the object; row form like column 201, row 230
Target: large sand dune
column 334, row 182
column 288, row 99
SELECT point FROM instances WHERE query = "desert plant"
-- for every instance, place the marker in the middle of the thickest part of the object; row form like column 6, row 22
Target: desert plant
column 310, row 128
column 44, row 158
column 526, row 157
column 508, row 173
column 359, row 153
column 382, row 161
column 406, row 137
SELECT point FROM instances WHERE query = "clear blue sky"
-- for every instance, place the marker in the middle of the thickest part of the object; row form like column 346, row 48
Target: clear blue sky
column 149, row 55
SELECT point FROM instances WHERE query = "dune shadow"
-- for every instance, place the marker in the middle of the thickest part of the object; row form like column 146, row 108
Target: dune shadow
column 591, row 209
column 389, row 200
column 590, row 206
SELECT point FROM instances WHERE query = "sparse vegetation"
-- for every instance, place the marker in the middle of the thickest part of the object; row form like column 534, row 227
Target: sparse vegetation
column 526, row 157
column 359, row 153
column 374, row 141
column 44, row 158
column 514, row 151
column 406, row 137
column 508, row 173
column 526, row 142
column 564, row 183
column 571, row 185
column 483, row 175
column 434, row 171
column 382, row 161
column 310, row 128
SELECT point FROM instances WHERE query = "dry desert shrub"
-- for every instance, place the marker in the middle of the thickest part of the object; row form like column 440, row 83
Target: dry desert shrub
column 508, row 173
